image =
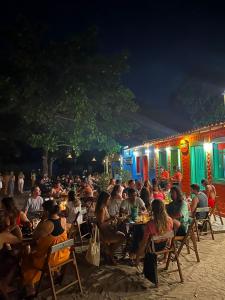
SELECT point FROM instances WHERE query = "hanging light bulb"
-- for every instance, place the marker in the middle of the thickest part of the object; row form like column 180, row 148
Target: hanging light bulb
column 93, row 159
column 69, row 156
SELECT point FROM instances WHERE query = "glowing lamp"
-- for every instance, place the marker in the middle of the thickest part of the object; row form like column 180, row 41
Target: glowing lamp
column 147, row 151
column 207, row 147
column 167, row 149
column 69, row 156
column 157, row 150
column 93, row 159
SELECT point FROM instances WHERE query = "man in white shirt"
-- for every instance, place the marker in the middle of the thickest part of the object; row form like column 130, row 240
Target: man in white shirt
column 34, row 203
column 132, row 201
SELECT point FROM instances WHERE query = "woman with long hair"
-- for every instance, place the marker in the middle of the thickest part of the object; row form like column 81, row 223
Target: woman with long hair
column 108, row 232
column 13, row 216
column 160, row 224
column 147, row 193
column 178, row 211
column 115, row 200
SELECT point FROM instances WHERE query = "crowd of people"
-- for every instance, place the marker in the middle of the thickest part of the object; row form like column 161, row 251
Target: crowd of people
column 162, row 199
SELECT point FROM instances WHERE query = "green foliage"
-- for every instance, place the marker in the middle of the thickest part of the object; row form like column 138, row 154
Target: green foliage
column 125, row 175
column 66, row 93
column 103, row 181
column 202, row 101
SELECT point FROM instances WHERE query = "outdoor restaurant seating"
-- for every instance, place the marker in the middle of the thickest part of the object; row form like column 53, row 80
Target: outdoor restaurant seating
column 49, row 270
column 185, row 240
column 169, row 249
column 202, row 223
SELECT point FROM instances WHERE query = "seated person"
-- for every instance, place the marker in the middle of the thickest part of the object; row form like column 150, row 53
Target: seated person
column 157, row 193
column 132, row 201
column 160, row 224
column 56, row 190
column 115, row 201
column 108, row 233
column 34, row 203
column 178, row 211
column 14, row 217
column 199, row 199
column 73, row 206
column 9, row 262
column 147, row 193
column 49, row 232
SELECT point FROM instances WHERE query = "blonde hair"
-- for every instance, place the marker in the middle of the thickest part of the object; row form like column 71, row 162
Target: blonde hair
column 160, row 216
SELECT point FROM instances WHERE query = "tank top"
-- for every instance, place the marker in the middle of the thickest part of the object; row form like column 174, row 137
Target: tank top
column 203, row 202
column 57, row 230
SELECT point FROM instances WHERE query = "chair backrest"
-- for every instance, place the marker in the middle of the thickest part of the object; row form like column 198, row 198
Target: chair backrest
column 202, row 209
column 165, row 236
column 62, row 246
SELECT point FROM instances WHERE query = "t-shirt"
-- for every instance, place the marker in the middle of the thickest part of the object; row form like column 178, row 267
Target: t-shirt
column 73, row 212
column 150, row 228
column 165, row 175
column 33, row 204
column 126, row 205
column 114, row 207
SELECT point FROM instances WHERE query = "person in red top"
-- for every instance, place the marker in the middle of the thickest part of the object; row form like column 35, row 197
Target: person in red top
column 163, row 177
column 177, row 176
column 210, row 192
column 160, row 224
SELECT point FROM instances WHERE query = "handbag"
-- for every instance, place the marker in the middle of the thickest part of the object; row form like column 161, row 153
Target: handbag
column 150, row 267
column 93, row 252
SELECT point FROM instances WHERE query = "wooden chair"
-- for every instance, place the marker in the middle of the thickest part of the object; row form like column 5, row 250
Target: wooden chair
column 203, row 221
column 170, row 249
column 216, row 211
column 184, row 240
column 49, row 270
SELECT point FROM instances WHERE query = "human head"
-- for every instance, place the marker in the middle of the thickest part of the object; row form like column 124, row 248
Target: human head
column 159, row 215
column 112, row 181
column 195, row 188
column 204, row 182
column 118, row 181
column 116, row 190
column 132, row 194
column 102, row 200
column 138, row 185
column 131, row 184
column 35, row 191
column 176, row 194
column 71, row 196
column 51, row 207
column 161, row 169
column 147, row 184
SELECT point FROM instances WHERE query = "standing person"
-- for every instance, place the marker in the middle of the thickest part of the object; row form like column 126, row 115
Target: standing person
column 177, row 176
column 11, row 184
column 199, row 200
column 33, row 178
column 1, row 182
column 164, row 177
column 34, row 203
column 210, row 192
column 5, row 183
column 21, row 178
column 147, row 194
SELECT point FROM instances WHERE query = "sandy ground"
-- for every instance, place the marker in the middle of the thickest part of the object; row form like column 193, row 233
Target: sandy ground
column 204, row 280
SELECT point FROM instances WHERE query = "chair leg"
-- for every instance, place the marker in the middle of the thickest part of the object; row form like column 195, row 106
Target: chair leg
column 77, row 272
column 178, row 264
column 168, row 261
column 218, row 210
column 195, row 246
column 211, row 230
column 187, row 246
column 54, row 297
column 197, row 232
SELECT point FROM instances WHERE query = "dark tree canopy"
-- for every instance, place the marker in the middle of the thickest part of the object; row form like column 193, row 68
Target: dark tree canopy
column 65, row 93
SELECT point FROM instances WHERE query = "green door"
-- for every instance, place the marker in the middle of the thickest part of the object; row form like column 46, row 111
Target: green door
column 162, row 159
column 198, row 165
column 174, row 160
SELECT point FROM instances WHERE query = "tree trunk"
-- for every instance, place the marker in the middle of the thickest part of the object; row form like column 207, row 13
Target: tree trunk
column 45, row 162
column 50, row 164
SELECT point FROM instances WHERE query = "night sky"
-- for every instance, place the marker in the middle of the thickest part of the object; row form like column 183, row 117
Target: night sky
column 165, row 40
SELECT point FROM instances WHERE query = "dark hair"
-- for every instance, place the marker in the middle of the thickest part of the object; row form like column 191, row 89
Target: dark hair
column 102, row 199
column 115, row 190
column 10, row 208
column 174, row 208
column 118, row 181
column 33, row 188
column 71, row 196
column 195, row 187
column 51, row 207
column 204, row 181
column 130, row 191
column 3, row 225
column 130, row 181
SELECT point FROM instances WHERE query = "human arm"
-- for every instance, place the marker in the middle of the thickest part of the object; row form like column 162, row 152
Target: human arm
column 194, row 204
